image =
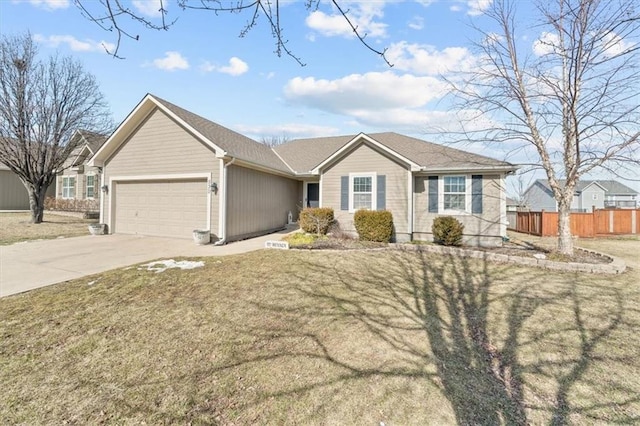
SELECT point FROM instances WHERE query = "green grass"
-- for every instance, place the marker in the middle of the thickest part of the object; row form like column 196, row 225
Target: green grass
column 297, row 239
column 322, row 337
column 15, row 227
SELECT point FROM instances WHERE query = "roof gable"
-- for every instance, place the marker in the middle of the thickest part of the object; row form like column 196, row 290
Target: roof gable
column 356, row 141
column 223, row 141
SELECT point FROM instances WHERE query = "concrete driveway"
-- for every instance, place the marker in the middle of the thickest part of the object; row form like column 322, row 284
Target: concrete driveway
column 29, row 265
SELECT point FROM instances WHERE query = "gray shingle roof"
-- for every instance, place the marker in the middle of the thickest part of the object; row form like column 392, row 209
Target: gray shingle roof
column 303, row 155
column 93, row 140
column 235, row 144
column 612, row 187
column 432, row 155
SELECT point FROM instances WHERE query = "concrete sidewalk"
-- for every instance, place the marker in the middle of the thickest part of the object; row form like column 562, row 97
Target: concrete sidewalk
column 29, row 265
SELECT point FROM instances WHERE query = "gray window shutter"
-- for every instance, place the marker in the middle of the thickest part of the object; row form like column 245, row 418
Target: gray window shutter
column 344, row 192
column 433, row 194
column 476, row 194
column 381, row 193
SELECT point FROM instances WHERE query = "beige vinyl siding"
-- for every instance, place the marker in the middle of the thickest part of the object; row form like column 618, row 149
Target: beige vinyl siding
column 258, row 202
column 80, row 174
column 13, row 194
column 479, row 229
column 366, row 159
column 160, row 147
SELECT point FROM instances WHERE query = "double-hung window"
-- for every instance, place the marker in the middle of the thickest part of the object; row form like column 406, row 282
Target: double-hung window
column 68, row 187
column 91, row 186
column 362, row 192
column 455, row 193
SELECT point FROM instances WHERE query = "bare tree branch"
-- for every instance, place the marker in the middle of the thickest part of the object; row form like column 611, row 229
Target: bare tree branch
column 112, row 16
column 574, row 103
column 41, row 104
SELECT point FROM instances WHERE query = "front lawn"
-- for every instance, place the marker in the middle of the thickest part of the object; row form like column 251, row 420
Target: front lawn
column 323, row 337
column 15, row 227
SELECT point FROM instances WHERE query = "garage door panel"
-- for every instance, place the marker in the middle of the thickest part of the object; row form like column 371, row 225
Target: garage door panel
column 165, row 208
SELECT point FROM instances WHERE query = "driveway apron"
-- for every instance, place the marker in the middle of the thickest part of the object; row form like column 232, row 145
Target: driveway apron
column 29, row 265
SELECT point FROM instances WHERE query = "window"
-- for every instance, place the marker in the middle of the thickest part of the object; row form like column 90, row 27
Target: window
column 594, row 197
column 362, row 194
column 91, row 186
column 455, row 193
column 68, row 187
column 362, row 191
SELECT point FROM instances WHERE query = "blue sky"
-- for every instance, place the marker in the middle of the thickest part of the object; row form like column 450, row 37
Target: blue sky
column 202, row 65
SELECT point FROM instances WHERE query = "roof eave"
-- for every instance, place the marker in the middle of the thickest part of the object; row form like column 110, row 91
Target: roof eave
column 505, row 168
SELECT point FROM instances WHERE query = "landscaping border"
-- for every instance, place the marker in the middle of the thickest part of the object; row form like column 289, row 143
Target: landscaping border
column 616, row 266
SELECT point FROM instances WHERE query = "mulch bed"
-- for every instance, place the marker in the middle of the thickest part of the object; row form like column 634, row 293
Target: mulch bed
column 511, row 248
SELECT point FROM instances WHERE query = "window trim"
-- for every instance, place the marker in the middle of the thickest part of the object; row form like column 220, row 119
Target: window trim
column 86, row 187
column 68, row 188
column 467, row 195
column 374, row 189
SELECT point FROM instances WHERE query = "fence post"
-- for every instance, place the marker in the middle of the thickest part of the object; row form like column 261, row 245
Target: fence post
column 611, row 221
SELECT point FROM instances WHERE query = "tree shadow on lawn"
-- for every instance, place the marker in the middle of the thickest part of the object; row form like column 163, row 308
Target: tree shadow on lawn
column 474, row 331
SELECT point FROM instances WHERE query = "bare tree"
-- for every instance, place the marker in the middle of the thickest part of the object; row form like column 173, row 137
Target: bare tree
column 574, row 103
column 41, row 104
column 273, row 141
column 116, row 16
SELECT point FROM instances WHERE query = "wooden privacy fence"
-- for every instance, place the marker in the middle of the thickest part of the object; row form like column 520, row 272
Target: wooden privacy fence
column 598, row 222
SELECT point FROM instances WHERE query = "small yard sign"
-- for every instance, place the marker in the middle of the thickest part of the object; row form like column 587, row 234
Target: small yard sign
column 282, row 245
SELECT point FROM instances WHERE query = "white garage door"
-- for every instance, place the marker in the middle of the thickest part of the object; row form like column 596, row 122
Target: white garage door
column 162, row 208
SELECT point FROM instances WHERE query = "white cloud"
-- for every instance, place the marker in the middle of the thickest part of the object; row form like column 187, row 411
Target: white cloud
column 427, row 60
column 546, row 43
column 425, row 3
column 150, row 8
column 416, row 23
column 363, row 15
column 235, row 68
column 172, row 61
column 478, row 7
column 370, row 91
column 46, row 4
column 473, row 7
column 86, row 45
column 614, row 45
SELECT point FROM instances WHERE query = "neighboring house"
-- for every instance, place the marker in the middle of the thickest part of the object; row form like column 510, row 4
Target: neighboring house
column 167, row 171
column 77, row 180
column 13, row 194
column 618, row 195
column 589, row 194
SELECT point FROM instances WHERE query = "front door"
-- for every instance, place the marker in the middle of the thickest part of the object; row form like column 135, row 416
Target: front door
column 313, row 195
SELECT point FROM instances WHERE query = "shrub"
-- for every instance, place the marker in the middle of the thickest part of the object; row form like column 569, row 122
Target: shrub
column 447, row 230
column 71, row 204
column 374, row 225
column 316, row 220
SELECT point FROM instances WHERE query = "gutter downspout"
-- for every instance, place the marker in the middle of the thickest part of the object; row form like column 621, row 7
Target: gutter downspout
column 223, row 219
